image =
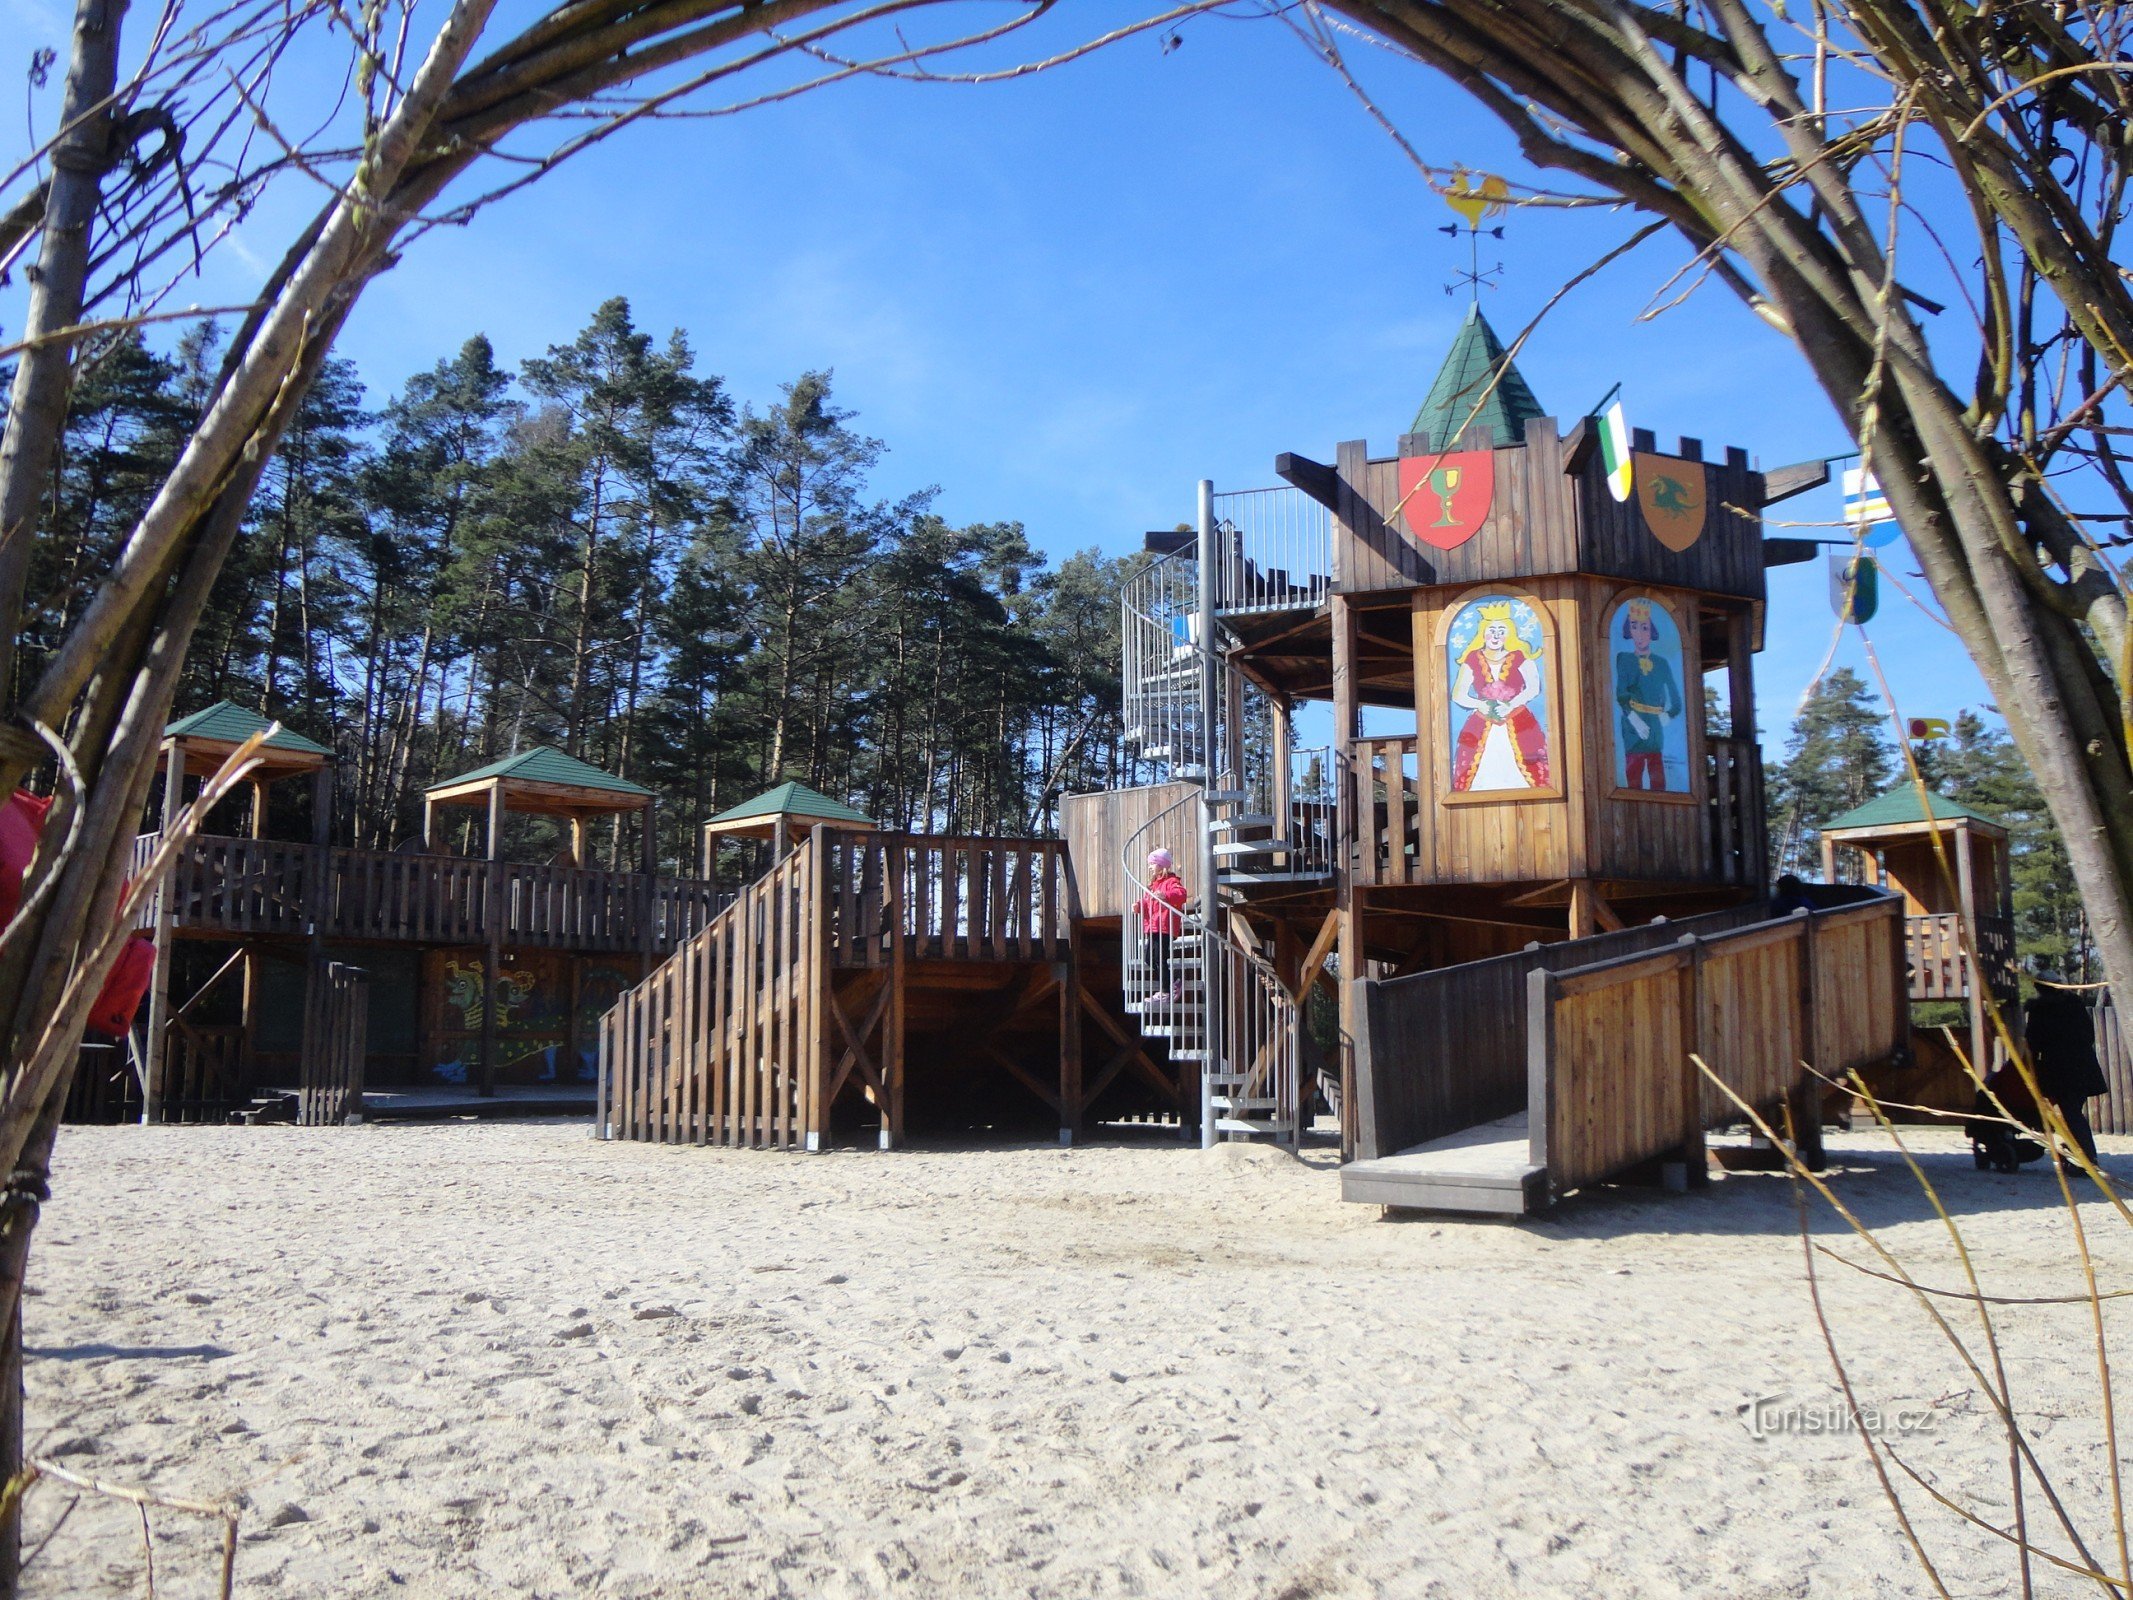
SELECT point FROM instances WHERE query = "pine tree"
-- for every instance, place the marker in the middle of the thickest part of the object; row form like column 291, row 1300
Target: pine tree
column 1837, row 756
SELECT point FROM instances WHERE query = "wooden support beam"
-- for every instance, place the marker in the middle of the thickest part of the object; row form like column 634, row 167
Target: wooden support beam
column 1314, row 478
column 493, row 951
column 1693, row 1156
column 1135, row 1052
column 1071, row 1103
column 153, row 1089
column 1019, row 1073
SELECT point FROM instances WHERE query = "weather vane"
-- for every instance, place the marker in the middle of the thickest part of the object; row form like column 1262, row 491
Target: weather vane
column 1490, row 198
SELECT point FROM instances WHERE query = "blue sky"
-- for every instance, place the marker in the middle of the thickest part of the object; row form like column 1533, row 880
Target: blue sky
column 1065, row 299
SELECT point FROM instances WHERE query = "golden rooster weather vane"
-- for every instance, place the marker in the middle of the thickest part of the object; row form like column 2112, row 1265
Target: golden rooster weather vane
column 1491, row 197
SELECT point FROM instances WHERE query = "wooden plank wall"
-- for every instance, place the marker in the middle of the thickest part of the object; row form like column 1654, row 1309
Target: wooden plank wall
column 1097, row 828
column 1633, row 836
column 1508, row 840
column 1530, row 527
column 1608, row 1044
column 2113, row 1112
column 1545, row 521
column 1728, row 559
column 1440, row 1051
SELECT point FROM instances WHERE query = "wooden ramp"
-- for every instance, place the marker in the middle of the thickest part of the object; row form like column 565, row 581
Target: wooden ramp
column 1484, row 1169
column 1498, row 1086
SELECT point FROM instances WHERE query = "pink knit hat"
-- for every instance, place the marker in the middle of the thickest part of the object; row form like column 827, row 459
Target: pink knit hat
column 1159, row 859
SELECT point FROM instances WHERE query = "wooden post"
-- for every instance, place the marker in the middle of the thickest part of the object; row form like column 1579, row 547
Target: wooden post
column 577, row 838
column 1807, row 1111
column 153, row 1090
column 1829, row 859
column 1068, row 972
column 648, row 899
column 1354, row 807
column 1971, row 941
column 1692, row 1131
column 892, row 1022
column 429, row 821
column 1540, row 1070
column 1740, row 712
column 1584, row 921
column 493, row 924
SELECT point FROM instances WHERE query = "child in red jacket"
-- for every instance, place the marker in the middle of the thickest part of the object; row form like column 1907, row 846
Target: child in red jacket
column 1161, row 906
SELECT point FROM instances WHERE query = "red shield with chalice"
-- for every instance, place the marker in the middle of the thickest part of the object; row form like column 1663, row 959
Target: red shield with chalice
column 1444, row 499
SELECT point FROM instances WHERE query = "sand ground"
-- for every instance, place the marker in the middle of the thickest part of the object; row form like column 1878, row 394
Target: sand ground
column 470, row 1360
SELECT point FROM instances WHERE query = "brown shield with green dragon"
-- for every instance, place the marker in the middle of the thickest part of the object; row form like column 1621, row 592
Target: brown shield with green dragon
column 1671, row 494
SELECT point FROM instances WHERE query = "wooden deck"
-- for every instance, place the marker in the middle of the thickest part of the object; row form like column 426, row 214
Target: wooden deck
column 265, row 888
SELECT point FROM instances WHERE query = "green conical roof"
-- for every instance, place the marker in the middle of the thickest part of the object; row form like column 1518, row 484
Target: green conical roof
column 793, row 800
column 1902, row 806
column 234, row 723
column 546, row 764
column 1462, row 391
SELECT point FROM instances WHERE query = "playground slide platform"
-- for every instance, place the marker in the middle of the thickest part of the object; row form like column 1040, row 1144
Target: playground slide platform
column 1483, row 1170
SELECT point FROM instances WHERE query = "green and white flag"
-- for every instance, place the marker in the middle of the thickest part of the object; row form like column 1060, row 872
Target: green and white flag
column 1614, row 451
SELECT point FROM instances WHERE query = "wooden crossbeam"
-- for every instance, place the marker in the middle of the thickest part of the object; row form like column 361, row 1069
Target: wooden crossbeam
column 1137, row 1053
column 1020, row 1074
column 1316, row 957
column 856, row 1055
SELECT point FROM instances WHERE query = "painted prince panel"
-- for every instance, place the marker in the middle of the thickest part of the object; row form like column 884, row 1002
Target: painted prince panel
column 1651, row 730
column 1500, row 717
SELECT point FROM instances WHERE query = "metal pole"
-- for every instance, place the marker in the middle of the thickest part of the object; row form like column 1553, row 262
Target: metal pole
column 1211, row 984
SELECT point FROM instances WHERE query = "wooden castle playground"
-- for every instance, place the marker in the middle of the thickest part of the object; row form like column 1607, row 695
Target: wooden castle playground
column 1484, row 917
column 1540, row 873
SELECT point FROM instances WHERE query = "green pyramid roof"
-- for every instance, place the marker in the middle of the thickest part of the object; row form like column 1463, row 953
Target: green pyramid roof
column 793, row 800
column 546, row 764
column 235, row 724
column 1462, row 382
column 1902, row 806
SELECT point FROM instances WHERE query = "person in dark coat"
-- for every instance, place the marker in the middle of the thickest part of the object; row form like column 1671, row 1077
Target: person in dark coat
column 2061, row 1033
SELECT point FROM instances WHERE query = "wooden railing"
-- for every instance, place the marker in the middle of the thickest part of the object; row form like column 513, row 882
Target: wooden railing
column 1940, row 968
column 1734, row 808
column 265, row 886
column 723, row 1043
column 1385, row 792
column 952, row 899
column 1611, row 1082
column 729, row 1041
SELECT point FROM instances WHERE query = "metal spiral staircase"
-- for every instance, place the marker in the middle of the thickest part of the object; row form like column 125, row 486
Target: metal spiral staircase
column 1261, row 812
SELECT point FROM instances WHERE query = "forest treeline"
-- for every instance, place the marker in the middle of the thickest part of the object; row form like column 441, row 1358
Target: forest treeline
column 606, row 551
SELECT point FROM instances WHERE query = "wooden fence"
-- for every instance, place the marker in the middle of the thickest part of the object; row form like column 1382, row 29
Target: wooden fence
column 203, row 1072
column 737, row 1039
column 336, row 1037
column 1610, row 1082
column 271, row 887
column 2113, row 1111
